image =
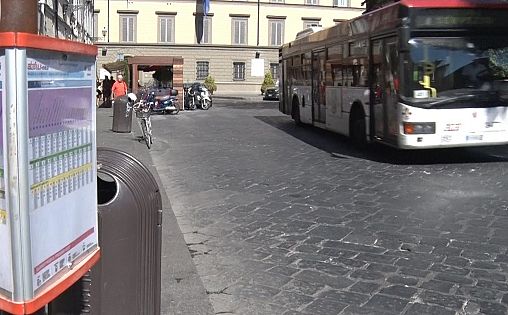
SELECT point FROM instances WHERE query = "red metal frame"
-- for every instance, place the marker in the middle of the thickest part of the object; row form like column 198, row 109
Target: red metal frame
column 53, row 291
column 25, row 40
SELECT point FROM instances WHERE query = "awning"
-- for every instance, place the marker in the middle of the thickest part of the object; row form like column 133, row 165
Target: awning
column 115, row 66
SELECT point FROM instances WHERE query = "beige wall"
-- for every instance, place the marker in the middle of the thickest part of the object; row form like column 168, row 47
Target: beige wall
column 220, row 53
column 293, row 10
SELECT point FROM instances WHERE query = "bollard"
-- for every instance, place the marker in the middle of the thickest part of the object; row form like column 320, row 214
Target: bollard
column 126, row 280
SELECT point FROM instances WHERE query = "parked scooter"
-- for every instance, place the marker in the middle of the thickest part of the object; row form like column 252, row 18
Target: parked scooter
column 164, row 104
column 190, row 98
column 198, row 96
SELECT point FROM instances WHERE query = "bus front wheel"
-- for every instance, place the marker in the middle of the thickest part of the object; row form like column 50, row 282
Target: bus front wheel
column 357, row 131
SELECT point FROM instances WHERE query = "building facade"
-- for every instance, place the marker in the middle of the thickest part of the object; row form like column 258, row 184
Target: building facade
column 235, row 33
column 67, row 19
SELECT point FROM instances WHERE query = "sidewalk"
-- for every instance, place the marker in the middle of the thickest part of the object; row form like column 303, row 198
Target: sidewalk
column 182, row 289
column 238, row 96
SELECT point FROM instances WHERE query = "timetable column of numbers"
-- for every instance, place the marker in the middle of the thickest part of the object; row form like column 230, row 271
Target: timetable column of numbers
column 60, row 164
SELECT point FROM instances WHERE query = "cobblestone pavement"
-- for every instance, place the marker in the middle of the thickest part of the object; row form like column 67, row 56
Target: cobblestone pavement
column 289, row 220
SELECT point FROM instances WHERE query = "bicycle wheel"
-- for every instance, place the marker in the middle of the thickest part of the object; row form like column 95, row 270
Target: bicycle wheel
column 146, row 137
column 149, row 129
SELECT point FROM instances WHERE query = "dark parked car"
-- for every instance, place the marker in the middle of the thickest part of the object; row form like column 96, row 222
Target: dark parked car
column 271, row 94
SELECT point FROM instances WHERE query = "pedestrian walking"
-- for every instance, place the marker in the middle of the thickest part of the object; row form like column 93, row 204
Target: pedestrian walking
column 119, row 87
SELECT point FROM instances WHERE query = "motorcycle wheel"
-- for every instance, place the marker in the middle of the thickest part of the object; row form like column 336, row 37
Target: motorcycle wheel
column 176, row 111
column 207, row 104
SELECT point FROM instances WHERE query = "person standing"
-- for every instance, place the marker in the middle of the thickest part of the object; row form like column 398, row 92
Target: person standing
column 119, row 87
column 106, row 89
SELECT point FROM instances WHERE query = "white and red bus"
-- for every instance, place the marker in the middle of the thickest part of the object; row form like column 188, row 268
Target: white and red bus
column 413, row 74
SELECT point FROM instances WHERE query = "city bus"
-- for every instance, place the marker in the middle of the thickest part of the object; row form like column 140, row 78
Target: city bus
column 414, row 74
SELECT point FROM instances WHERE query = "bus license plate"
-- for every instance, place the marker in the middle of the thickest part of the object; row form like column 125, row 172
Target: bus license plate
column 474, row 138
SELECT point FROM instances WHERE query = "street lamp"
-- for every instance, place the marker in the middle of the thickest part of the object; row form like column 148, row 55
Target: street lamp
column 104, row 33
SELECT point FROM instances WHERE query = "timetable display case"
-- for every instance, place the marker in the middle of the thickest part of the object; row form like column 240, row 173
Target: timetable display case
column 48, row 173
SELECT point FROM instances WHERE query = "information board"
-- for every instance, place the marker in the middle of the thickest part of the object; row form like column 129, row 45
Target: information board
column 61, row 154
column 6, row 279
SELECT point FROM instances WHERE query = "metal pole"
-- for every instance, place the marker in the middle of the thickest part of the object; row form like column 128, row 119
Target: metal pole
column 19, row 16
column 257, row 43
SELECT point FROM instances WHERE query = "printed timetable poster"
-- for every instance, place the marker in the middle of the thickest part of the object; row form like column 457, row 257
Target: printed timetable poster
column 6, row 279
column 62, row 157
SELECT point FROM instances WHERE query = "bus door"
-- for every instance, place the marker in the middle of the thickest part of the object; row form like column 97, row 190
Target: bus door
column 385, row 87
column 319, row 86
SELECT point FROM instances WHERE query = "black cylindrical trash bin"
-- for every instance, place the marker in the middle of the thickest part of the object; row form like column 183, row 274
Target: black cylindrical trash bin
column 122, row 114
column 127, row 278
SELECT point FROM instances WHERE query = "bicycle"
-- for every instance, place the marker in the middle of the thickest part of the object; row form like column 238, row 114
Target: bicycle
column 143, row 111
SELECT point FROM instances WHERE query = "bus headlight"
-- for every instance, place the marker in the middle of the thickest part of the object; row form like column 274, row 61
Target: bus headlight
column 419, row 128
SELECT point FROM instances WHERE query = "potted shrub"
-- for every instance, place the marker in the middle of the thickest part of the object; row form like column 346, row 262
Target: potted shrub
column 210, row 84
column 267, row 82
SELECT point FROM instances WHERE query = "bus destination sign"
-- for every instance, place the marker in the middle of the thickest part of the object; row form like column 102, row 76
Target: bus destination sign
column 458, row 18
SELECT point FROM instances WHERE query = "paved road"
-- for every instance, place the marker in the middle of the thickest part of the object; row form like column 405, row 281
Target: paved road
column 288, row 220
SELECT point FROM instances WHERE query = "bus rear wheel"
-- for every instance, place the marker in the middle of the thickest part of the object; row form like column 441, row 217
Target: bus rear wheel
column 357, row 131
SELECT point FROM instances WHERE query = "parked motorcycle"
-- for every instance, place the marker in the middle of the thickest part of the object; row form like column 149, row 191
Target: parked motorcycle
column 198, row 96
column 164, row 104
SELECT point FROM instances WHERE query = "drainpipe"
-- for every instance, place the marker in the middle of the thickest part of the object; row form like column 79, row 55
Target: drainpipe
column 257, row 43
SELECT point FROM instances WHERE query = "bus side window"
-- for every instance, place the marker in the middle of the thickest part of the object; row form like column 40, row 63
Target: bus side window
column 348, row 80
column 338, row 79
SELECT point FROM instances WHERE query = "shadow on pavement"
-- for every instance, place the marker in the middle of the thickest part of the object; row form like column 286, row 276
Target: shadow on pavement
column 340, row 147
column 239, row 104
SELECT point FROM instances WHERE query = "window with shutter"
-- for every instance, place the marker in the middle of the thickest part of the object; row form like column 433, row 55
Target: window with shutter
column 166, row 29
column 207, row 30
column 341, row 3
column 239, row 36
column 128, row 28
column 276, row 32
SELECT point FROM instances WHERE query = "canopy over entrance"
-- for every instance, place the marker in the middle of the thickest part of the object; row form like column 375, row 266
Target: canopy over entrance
column 159, row 64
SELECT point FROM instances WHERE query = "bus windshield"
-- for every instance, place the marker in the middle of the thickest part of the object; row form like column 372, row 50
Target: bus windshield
column 457, row 72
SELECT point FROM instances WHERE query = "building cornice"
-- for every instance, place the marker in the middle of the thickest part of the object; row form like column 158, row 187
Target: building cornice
column 276, row 17
column 239, row 15
column 165, row 13
column 309, row 18
column 176, row 46
column 127, row 11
